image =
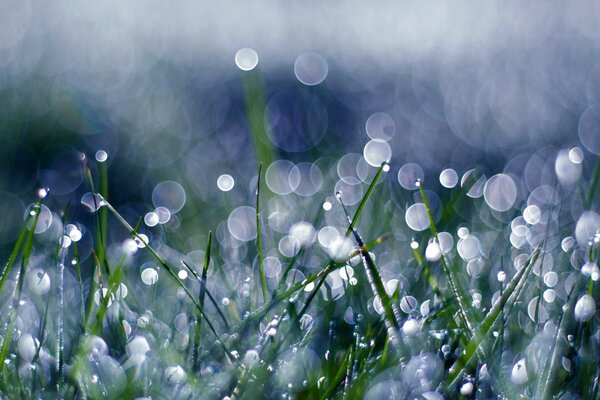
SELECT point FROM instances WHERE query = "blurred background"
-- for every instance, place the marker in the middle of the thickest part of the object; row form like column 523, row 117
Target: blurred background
column 181, row 102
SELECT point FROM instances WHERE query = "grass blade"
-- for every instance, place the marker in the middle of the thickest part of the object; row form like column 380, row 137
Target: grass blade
column 508, row 298
column 196, row 350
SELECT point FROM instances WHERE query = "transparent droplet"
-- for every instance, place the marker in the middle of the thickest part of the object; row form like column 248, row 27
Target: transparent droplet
column 225, row 182
column 576, row 155
column 518, row 374
column 585, row 308
column 149, row 276
column 246, row 59
column 448, row 178
column 101, row 156
column 92, row 201
column 175, row 375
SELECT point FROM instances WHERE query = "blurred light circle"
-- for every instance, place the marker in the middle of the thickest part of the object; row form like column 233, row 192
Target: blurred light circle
column 303, row 233
column 587, row 226
column 277, row 177
column 246, row 59
column 38, row 281
column 272, row 267
column 151, row 219
column 380, row 126
column 475, row 182
column 242, row 223
column 416, row 217
column 164, row 215
column 532, row 215
column 389, row 390
column 296, row 120
column 310, row 68
column 169, row 194
column 409, row 174
column 589, row 128
column 377, row 151
column 347, row 166
column 305, row 179
column 448, row 178
column 92, row 201
column 500, row 192
column 576, row 155
column 149, row 276
column 567, row 171
column 44, row 218
column 468, row 248
column 225, row 182
column 350, row 192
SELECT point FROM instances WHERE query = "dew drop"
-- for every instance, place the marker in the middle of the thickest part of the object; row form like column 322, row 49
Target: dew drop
column 518, row 375
column 101, row 156
column 585, row 308
column 246, row 59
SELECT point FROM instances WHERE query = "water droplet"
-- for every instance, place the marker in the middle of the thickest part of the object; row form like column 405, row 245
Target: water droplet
column 410, row 176
column 225, row 182
column 433, row 252
column 27, row 347
column 327, row 206
column 38, row 281
column 449, row 178
column 408, row 304
column 149, row 276
column 225, row 301
column 467, row 388
column 576, row 155
column 411, row 327
column 101, row 156
column 532, row 214
column 518, row 375
column 44, row 218
column 129, row 246
column 414, row 245
column 175, row 375
column 246, row 59
column 251, row 358
column 585, row 308
column 92, row 201
column 501, row 276
column 42, row 192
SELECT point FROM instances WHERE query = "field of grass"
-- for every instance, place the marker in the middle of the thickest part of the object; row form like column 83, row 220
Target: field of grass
column 477, row 290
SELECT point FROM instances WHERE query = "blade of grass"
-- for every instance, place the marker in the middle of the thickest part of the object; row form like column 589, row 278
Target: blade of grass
column 391, row 314
column 16, row 297
column 196, row 350
column 452, row 279
column 261, row 269
column 173, row 274
column 508, row 298
column 593, row 185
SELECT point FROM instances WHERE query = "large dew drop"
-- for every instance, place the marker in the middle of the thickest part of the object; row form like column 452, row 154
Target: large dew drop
column 585, row 308
column 518, row 375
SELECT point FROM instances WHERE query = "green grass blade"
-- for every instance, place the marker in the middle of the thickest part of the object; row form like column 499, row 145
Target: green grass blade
column 508, row 298
column 196, row 349
column 452, row 279
column 8, row 334
column 261, row 269
column 383, row 167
